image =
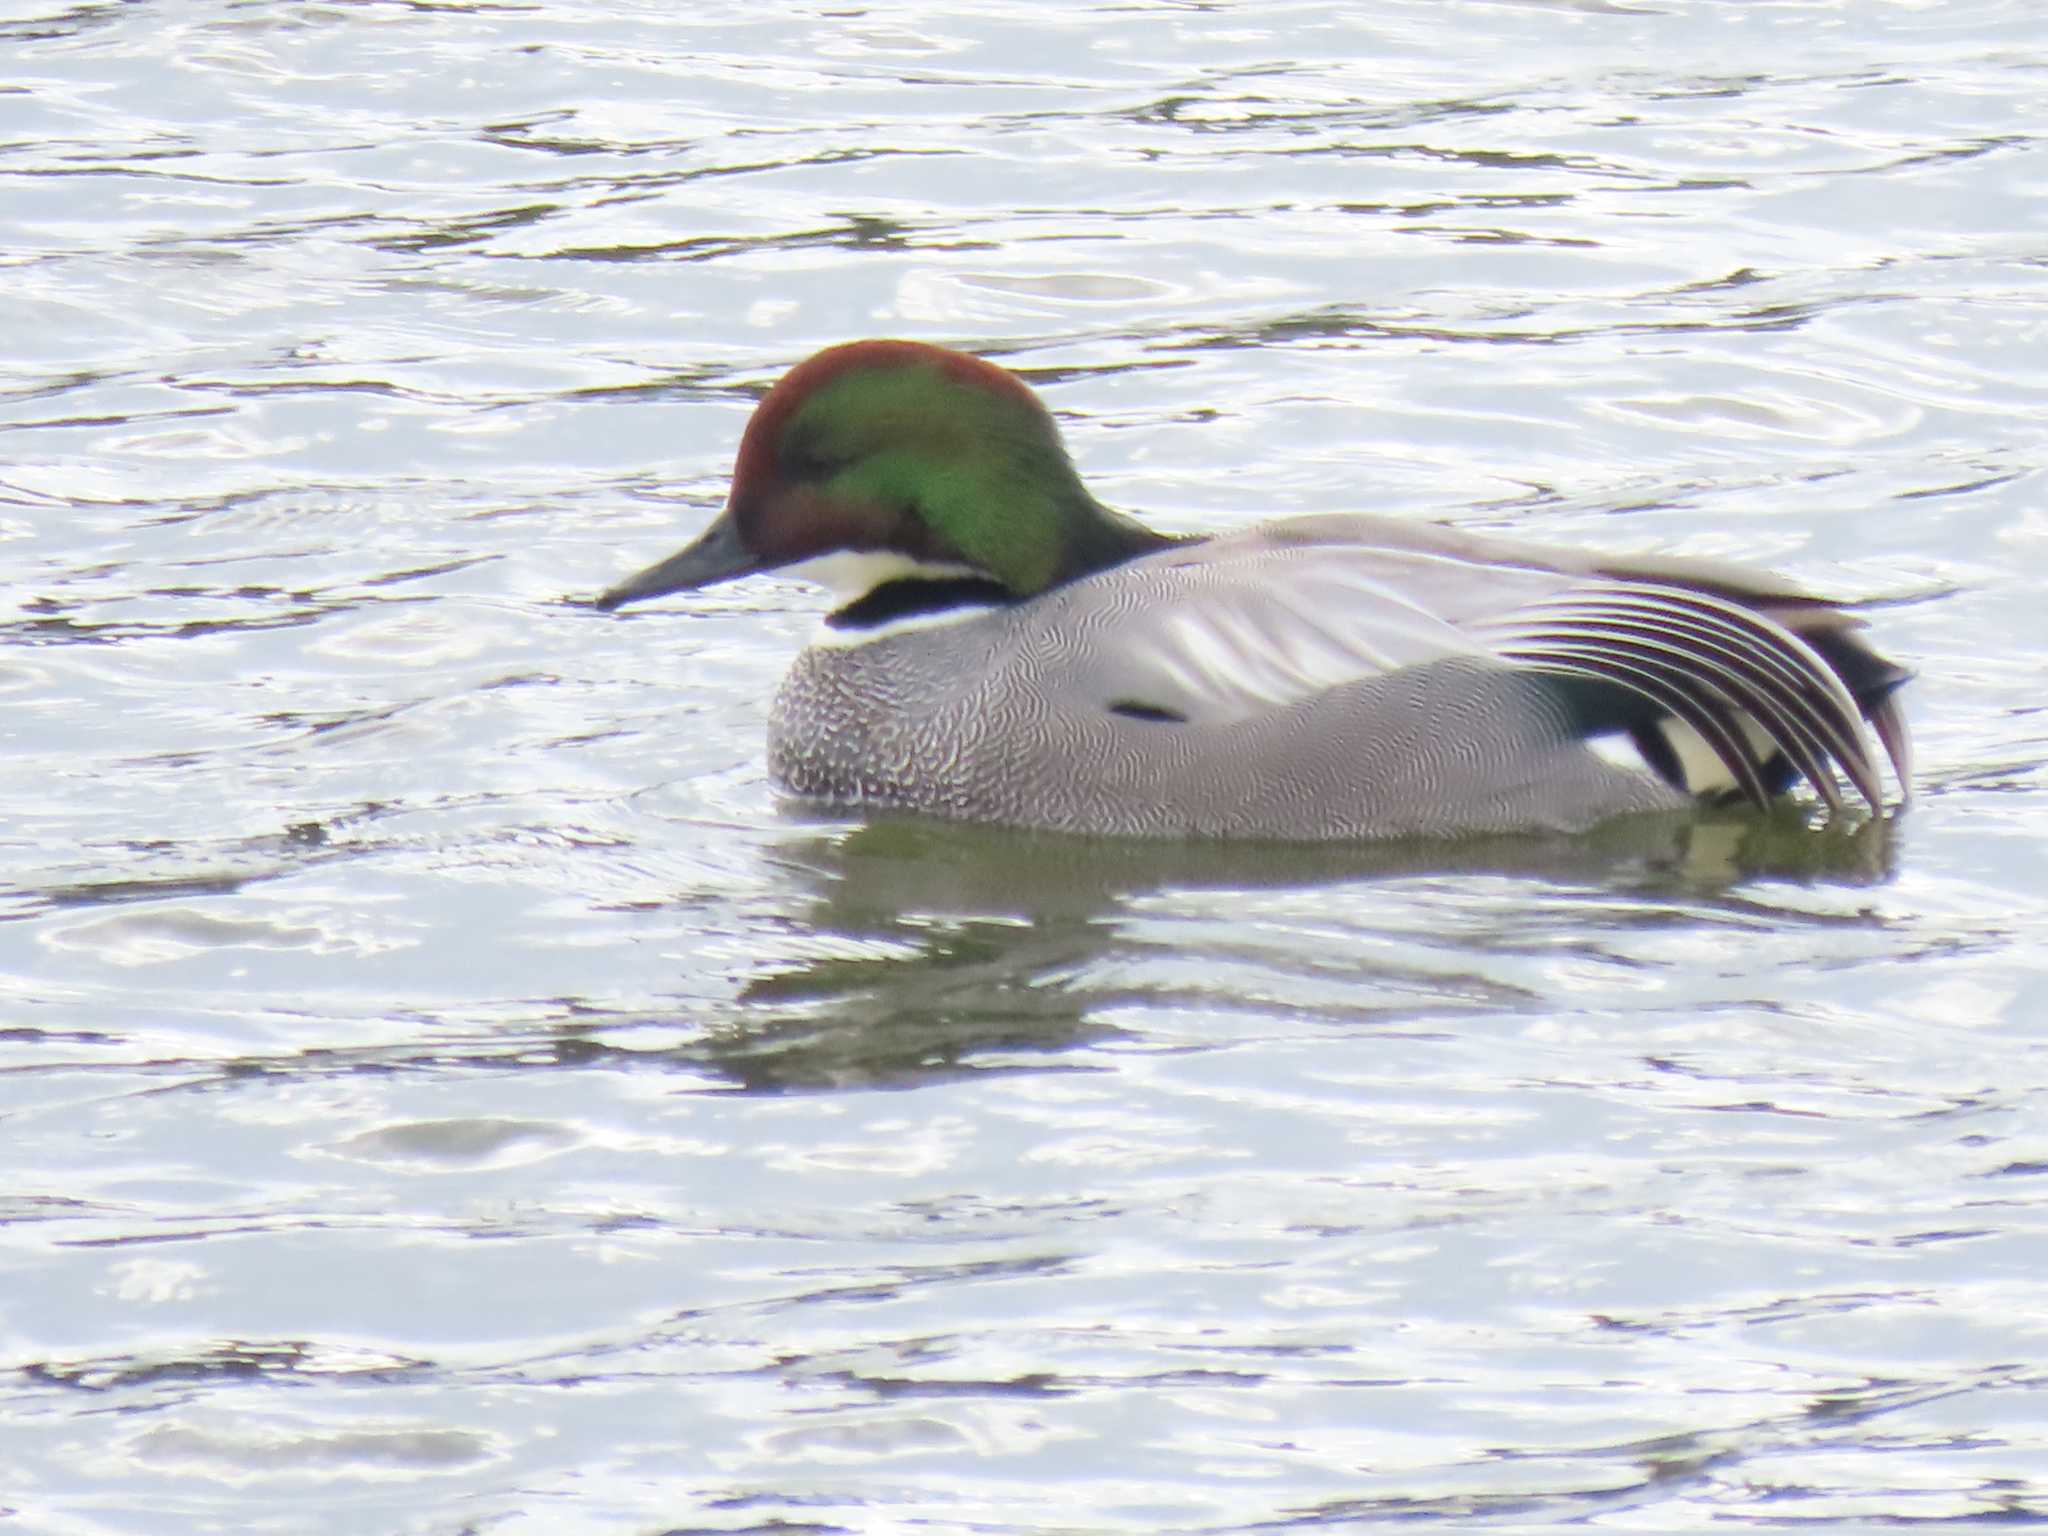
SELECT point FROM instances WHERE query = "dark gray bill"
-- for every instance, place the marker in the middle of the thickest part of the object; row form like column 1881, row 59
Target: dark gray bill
column 717, row 555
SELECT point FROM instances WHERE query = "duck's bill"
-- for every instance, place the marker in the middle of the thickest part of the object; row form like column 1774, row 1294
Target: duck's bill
column 717, row 555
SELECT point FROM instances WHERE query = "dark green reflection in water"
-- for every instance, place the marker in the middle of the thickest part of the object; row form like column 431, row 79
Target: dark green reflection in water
column 954, row 948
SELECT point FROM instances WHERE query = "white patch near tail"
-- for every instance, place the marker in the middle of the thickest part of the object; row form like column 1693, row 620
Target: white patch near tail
column 1700, row 769
column 1618, row 749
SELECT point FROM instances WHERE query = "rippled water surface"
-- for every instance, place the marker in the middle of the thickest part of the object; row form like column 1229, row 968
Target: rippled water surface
column 446, row 1091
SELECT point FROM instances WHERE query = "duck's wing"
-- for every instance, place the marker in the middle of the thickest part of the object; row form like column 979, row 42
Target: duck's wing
column 1700, row 664
column 1748, row 690
column 1216, row 632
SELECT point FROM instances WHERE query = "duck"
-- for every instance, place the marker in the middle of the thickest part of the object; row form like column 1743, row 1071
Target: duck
column 1001, row 647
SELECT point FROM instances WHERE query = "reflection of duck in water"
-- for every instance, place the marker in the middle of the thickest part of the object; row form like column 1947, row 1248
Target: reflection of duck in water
column 923, row 950
column 1006, row 649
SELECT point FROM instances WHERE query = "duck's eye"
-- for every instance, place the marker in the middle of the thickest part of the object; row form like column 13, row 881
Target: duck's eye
column 807, row 458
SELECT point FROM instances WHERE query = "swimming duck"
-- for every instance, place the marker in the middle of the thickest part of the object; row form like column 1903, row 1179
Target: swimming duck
column 1004, row 648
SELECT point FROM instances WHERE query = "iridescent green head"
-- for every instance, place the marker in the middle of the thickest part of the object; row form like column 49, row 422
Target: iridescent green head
column 899, row 449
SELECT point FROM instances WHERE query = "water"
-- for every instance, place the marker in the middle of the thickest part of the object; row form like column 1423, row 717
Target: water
column 446, row 1091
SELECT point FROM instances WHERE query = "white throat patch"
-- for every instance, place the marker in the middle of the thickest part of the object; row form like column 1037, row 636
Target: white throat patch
column 850, row 575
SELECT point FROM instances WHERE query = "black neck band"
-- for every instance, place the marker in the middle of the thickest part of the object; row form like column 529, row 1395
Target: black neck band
column 894, row 600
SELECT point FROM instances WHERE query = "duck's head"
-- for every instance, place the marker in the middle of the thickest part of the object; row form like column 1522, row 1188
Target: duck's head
column 882, row 461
